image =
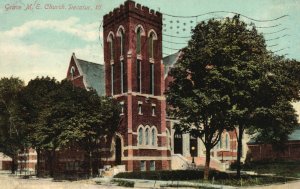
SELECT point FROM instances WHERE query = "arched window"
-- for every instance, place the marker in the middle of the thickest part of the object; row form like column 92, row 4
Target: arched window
column 121, row 34
column 227, row 141
column 140, row 136
column 147, row 136
column 111, row 45
column 72, row 71
column 122, row 42
column 151, row 37
column 138, row 40
column 151, row 45
column 139, row 30
column 221, row 141
column 153, row 137
column 110, row 40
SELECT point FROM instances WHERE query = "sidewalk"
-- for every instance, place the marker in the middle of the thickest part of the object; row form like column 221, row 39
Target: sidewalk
column 13, row 182
column 8, row 181
column 158, row 184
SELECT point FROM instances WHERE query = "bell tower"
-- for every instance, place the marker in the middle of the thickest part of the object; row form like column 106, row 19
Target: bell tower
column 134, row 75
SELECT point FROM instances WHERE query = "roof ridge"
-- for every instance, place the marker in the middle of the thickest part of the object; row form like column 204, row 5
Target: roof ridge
column 89, row 61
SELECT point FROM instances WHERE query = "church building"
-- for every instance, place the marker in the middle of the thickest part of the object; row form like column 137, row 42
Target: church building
column 136, row 75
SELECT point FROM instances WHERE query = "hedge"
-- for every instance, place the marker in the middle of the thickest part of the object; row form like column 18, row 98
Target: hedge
column 172, row 175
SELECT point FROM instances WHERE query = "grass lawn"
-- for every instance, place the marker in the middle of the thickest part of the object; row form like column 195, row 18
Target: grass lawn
column 279, row 168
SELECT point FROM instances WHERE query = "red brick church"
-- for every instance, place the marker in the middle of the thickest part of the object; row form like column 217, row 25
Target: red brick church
column 136, row 74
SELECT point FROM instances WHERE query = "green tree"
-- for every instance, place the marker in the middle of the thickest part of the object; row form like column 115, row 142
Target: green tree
column 264, row 109
column 96, row 118
column 12, row 137
column 225, row 76
column 60, row 115
column 275, row 118
column 257, row 85
column 36, row 104
column 200, row 93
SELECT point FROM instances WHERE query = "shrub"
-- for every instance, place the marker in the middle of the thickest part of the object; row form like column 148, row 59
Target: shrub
column 124, row 183
column 172, row 175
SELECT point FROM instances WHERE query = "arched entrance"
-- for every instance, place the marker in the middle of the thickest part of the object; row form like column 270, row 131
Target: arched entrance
column 177, row 142
column 118, row 150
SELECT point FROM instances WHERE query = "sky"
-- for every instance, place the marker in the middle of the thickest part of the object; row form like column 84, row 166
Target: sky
column 38, row 37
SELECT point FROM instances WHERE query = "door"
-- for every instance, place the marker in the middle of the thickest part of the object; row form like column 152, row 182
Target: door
column 118, row 150
column 177, row 142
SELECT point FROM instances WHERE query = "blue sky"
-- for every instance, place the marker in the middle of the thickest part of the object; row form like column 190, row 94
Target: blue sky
column 39, row 42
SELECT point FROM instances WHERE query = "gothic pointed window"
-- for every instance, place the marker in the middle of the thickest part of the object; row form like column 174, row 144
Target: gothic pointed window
column 138, row 40
column 153, row 137
column 111, row 47
column 122, row 42
column 140, row 135
column 110, row 40
column 152, row 36
column 151, row 45
column 139, row 30
column 227, row 141
column 121, row 35
column 147, row 136
column 221, row 142
column 72, row 72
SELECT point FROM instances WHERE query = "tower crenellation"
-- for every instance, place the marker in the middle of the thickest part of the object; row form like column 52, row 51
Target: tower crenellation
column 132, row 7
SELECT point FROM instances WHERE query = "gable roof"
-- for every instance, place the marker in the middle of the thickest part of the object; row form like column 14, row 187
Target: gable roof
column 295, row 135
column 169, row 61
column 93, row 74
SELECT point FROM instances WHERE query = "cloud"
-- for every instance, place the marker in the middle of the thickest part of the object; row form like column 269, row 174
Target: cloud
column 29, row 60
column 87, row 32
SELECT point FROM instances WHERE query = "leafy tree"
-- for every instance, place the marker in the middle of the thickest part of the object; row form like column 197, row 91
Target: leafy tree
column 95, row 118
column 258, row 86
column 200, row 93
column 12, row 138
column 244, row 52
column 275, row 118
column 265, row 108
column 62, row 116
column 36, row 106
column 227, row 78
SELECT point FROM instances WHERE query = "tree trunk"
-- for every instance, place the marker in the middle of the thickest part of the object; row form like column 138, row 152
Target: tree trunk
column 239, row 152
column 14, row 164
column 90, row 164
column 38, row 156
column 207, row 162
column 52, row 162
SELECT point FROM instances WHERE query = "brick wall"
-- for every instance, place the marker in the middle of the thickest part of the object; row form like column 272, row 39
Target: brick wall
column 291, row 151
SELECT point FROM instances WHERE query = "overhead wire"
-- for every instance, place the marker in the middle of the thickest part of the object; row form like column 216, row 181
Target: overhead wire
column 280, row 49
column 171, row 24
column 256, row 20
column 277, row 37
